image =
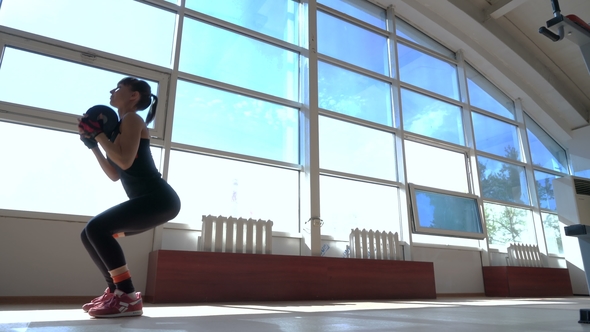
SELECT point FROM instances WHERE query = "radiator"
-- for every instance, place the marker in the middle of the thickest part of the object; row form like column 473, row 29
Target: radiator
column 236, row 235
column 375, row 245
column 524, row 255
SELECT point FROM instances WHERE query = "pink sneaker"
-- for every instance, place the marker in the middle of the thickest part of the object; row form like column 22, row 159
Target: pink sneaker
column 119, row 305
column 97, row 300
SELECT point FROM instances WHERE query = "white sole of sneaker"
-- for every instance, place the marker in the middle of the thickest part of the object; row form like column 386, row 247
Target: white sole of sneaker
column 123, row 314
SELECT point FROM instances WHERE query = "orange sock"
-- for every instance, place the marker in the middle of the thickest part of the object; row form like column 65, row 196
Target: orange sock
column 121, row 277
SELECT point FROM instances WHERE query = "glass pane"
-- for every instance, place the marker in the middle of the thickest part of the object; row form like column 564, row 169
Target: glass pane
column 102, row 25
column 553, row 227
column 446, row 212
column 449, row 175
column 544, row 184
column 86, row 86
column 221, row 120
column 353, row 94
column 348, row 204
column 404, row 30
column 431, row 117
column 362, row 10
column 355, row 149
column 496, row 137
column 502, row 181
column 276, row 18
column 583, row 173
column 352, row 44
column 427, row 72
column 507, row 225
column 221, row 55
column 483, row 94
column 54, row 187
column 545, row 151
column 218, row 186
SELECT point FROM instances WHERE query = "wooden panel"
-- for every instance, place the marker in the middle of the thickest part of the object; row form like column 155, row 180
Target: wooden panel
column 184, row 276
column 151, row 276
column 214, row 277
column 495, row 281
column 358, row 278
column 538, row 281
column 516, row 281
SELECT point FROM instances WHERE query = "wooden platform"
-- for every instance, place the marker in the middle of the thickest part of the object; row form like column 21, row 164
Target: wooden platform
column 516, row 281
column 192, row 276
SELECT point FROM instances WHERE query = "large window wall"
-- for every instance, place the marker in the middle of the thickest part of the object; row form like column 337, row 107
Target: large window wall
column 411, row 137
column 359, row 184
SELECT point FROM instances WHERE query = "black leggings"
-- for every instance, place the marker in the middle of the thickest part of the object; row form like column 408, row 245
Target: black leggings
column 137, row 215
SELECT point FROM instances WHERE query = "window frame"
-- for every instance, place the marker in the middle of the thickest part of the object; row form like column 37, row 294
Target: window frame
column 427, row 44
column 514, row 119
column 450, row 147
column 533, row 226
column 79, row 55
column 415, row 221
column 432, row 95
column 437, row 56
column 568, row 162
column 513, row 163
column 517, row 130
column 237, row 155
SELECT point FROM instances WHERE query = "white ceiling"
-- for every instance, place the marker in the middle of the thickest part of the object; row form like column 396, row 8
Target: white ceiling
column 501, row 39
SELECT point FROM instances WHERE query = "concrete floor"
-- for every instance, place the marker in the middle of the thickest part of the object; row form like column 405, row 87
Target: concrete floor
column 442, row 314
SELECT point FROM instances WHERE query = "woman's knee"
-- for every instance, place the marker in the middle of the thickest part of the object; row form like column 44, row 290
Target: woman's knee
column 95, row 228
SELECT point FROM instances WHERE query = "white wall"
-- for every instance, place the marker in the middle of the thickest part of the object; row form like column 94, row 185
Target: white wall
column 579, row 152
column 456, row 271
column 46, row 258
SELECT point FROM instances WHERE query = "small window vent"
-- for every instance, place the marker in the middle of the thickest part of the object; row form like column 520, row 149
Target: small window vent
column 582, row 187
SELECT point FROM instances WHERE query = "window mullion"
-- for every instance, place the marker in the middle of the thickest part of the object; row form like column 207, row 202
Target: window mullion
column 310, row 217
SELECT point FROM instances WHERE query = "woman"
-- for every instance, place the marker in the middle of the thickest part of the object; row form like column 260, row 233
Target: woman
column 152, row 201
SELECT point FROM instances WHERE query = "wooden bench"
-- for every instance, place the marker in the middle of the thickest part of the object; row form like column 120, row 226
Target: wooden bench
column 194, row 276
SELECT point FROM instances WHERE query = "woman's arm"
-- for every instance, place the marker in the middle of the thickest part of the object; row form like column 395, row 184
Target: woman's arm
column 108, row 169
column 124, row 150
column 106, row 166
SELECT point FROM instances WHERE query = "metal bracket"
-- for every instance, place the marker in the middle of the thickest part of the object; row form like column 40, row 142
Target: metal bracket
column 88, row 57
column 315, row 221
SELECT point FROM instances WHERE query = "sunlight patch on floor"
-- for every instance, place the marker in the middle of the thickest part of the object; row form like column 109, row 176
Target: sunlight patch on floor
column 236, row 309
column 171, row 311
column 19, row 316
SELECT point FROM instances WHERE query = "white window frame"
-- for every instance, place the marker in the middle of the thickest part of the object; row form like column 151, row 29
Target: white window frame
column 80, row 55
column 435, row 231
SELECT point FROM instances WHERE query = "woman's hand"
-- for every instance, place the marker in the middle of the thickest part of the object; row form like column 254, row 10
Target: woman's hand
column 90, row 128
column 88, row 141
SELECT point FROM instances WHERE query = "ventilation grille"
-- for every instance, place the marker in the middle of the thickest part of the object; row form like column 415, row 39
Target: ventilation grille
column 582, row 187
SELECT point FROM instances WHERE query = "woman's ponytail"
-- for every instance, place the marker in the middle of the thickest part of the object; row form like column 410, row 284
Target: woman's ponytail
column 152, row 112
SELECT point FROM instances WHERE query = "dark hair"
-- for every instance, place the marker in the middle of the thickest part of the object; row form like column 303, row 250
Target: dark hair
column 145, row 96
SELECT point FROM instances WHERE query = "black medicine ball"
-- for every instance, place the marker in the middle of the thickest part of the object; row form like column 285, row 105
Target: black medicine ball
column 109, row 118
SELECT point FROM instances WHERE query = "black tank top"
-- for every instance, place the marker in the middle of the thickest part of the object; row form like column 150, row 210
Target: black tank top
column 143, row 176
